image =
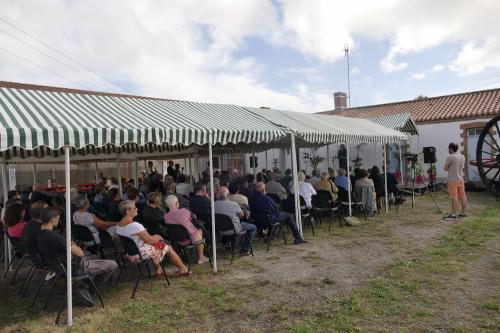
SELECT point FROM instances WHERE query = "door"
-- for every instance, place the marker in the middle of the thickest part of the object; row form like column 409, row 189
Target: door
column 472, row 139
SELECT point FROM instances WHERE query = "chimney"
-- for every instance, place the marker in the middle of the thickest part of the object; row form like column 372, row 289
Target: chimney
column 340, row 99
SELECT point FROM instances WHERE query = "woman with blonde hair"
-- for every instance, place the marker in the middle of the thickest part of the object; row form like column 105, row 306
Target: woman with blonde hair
column 150, row 246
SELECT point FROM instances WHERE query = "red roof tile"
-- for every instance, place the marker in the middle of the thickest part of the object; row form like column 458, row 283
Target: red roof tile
column 469, row 105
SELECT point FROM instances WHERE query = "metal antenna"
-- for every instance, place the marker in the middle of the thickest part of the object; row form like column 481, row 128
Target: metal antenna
column 346, row 54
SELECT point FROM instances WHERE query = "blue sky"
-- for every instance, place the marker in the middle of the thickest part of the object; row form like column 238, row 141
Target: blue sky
column 284, row 54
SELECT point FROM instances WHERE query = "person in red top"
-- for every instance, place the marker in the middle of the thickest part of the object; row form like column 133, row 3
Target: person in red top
column 183, row 217
column 14, row 219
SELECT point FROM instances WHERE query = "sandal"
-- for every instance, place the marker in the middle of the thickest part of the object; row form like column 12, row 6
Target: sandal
column 186, row 274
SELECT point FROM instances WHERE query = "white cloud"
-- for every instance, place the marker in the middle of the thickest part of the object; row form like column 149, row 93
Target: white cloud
column 417, row 76
column 474, row 58
column 320, row 28
column 437, row 68
column 355, row 71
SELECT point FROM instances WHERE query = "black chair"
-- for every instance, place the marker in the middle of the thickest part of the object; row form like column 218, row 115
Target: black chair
column 178, row 235
column 263, row 221
column 107, row 243
column 131, row 249
column 224, row 225
column 19, row 252
column 37, row 265
column 322, row 204
column 83, row 236
column 356, row 204
column 276, row 199
column 60, row 270
column 289, row 207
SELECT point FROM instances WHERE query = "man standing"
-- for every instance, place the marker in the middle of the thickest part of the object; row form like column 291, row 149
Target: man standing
column 454, row 165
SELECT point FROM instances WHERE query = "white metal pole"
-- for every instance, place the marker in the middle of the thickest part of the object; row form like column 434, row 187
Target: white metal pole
column 34, row 173
column 68, row 236
column 190, row 169
column 298, row 215
column 96, row 166
column 120, row 185
column 348, row 178
column 136, row 175
column 385, row 179
column 253, row 159
column 401, row 161
column 327, row 157
column 212, row 201
column 5, row 183
column 196, row 164
column 146, row 167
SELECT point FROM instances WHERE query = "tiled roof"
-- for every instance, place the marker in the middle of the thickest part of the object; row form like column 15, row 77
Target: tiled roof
column 469, row 105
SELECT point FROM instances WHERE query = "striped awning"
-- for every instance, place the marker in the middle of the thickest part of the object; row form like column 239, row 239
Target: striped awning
column 401, row 121
column 52, row 119
column 325, row 129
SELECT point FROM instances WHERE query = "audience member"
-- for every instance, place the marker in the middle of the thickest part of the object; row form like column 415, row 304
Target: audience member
column 378, row 181
column 183, row 217
column 262, row 203
column 274, row 187
column 92, row 222
column 150, row 246
column 306, row 190
column 170, row 186
column 341, row 181
column 14, row 218
column 52, row 245
column 32, row 228
column 114, row 199
column 170, row 169
column 183, row 186
column 287, row 179
column 314, row 178
column 365, row 190
column 152, row 215
column 233, row 210
column 200, row 204
column 235, row 196
column 325, row 184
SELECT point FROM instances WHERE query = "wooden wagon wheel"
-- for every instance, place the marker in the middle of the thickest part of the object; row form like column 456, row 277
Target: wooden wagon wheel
column 488, row 155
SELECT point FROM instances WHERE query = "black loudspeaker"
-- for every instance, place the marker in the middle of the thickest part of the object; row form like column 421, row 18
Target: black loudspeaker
column 253, row 162
column 430, row 155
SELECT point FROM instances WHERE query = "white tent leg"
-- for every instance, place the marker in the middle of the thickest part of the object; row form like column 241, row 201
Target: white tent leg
column 7, row 245
column 119, row 174
column 212, row 200
column 348, row 172
column 401, row 161
column 68, row 236
column 190, row 168
column 298, row 216
column 196, row 164
column 34, row 173
column 328, row 157
column 385, row 179
column 253, row 159
column 267, row 164
column 96, row 167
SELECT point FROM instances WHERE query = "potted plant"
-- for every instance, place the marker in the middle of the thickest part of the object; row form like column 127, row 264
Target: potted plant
column 431, row 171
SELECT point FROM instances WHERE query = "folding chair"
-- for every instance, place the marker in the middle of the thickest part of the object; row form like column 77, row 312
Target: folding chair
column 19, row 252
column 180, row 239
column 263, row 220
column 322, row 204
column 107, row 243
column 356, row 204
column 82, row 235
column 131, row 250
column 276, row 199
column 305, row 212
column 224, row 225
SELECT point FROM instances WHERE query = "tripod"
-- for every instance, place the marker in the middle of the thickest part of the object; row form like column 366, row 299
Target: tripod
column 427, row 188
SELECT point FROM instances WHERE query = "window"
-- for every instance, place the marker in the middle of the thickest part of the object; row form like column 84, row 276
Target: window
column 474, row 132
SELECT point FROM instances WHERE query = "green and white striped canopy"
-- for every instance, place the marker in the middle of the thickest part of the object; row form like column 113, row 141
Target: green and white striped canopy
column 325, row 129
column 37, row 122
column 35, row 118
column 400, row 121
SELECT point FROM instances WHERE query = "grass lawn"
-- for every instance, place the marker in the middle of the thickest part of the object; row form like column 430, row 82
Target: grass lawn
column 405, row 271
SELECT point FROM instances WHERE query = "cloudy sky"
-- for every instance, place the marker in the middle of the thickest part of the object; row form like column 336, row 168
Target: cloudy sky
column 284, row 54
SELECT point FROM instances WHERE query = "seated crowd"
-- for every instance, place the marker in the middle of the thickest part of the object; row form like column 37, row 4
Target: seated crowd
column 144, row 213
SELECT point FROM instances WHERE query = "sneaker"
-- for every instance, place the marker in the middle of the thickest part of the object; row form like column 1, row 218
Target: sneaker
column 245, row 253
column 462, row 215
column 299, row 241
column 450, row 217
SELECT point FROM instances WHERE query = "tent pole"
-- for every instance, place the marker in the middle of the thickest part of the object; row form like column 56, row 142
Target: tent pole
column 190, row 169
column 34, row 173
column 348, row 178
column 196, row 164
column 298, row 216
column 401, row 162
column 385, row 179
column 253, row 159
column 267, row 164
column 68, row 237
column 96, row 172
column 120, row 185
column 136, row 171
column 5, row 183
column 327, row 157
column 212, row 206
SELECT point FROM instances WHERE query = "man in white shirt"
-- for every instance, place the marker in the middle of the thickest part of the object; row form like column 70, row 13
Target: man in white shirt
column 454, row 165
column 306, row 190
